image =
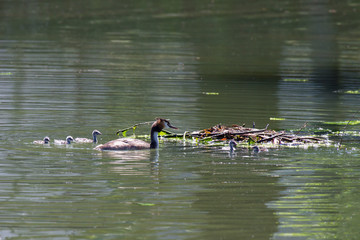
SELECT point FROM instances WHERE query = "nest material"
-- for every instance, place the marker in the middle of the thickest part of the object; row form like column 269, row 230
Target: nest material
column 243, row 134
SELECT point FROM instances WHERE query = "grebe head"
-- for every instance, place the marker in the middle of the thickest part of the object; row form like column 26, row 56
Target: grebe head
column 160, row 124
column 69, row 139
column 232, row 145
column 96, row 132
column 46, row 140
column 256, row 149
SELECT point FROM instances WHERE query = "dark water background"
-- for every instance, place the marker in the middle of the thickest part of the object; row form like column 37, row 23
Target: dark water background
column 68, row 67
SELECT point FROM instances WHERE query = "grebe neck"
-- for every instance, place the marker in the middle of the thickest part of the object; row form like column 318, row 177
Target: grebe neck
column 154, row 139
column 232, row 146
column 94, row 138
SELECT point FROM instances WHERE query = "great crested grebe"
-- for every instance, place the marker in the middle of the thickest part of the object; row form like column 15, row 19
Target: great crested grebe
column 135, row 144
column 46, row 140
column 68, row 140
column 95, row 133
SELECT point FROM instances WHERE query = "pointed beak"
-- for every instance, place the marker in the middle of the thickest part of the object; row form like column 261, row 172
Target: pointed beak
column 171, row 126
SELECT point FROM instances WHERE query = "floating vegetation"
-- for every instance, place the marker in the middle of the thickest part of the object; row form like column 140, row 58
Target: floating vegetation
column 276, row 119
column 210, row 93
column 146, row 204
column 352, row 122
column 346, row 133
column 322, row 131
column 252, row 135
column 5, row 73
column 295, row 80
column 352, row 92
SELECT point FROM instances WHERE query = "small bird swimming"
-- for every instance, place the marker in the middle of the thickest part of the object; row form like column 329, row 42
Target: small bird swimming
column 68, row 140
column 46, row 140
column 231, row 147
column 95, row 133
column 257, row 149
column 136, row 144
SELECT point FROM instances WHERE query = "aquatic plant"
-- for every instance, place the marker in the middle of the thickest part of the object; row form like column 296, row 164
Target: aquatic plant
column 351, row 122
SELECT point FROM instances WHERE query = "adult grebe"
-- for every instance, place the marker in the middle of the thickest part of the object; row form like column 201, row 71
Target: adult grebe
column 135, row 144
column 46, row 140
column 88, row 140
column 68, row 140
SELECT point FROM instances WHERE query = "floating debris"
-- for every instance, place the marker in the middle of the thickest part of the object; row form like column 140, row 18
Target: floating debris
column 247, row 137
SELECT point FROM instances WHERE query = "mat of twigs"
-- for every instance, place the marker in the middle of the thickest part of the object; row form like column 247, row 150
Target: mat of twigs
column 244, row 134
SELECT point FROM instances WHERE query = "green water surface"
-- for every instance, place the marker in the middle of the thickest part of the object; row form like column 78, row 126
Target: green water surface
column 69, row 67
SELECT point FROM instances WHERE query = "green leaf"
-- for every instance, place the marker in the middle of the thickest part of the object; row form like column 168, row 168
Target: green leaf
column 205, row 140
column 210, row 93
column 352, row 92
column 162, row 133
column 251, row 141
column 277, row 119
column 146, row 204
column 5, row 73
column 124, row 133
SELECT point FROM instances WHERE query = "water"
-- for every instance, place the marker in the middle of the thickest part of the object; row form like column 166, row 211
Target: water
column 67, row 68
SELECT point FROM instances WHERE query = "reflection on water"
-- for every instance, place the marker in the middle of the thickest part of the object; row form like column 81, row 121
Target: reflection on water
column 299, row 73
column 320, row 96
column 133, row 162
column 312, row 202
column 67, row 68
